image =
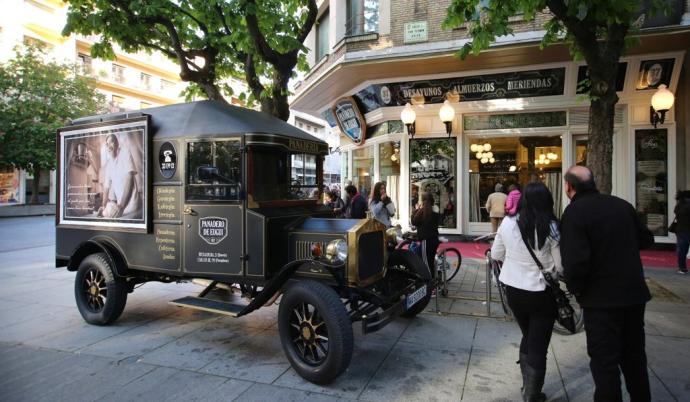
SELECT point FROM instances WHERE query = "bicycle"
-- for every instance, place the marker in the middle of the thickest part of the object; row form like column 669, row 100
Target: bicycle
column 447, row 260
column 495, row 267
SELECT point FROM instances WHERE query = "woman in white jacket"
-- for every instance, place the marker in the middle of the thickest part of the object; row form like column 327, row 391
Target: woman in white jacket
column 533, row 305
column 381, row 204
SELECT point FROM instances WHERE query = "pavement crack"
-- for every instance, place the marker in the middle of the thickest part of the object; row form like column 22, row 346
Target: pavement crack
column 469, row 359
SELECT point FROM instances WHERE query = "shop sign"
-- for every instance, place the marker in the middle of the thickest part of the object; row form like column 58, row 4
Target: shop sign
column 515, row 120
column 518, row 84
column 583, row 84
column 349, row 119
column 416, row 32
column 654, row 73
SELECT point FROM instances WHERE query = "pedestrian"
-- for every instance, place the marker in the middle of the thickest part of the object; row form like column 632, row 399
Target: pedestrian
column 601, row 236
column 381, row 204
column 356, row 207
column 682, row 212
column 335, row 204
column 513, row 199
column 495, row 206
column 532, row 303
column 426, row 220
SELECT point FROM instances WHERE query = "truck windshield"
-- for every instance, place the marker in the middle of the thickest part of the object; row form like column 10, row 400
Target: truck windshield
column 275, row 175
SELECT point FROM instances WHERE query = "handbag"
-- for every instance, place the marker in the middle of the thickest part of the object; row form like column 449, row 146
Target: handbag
column 565, row 314
column 673, row 225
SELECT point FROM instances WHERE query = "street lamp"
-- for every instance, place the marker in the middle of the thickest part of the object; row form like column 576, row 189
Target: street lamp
column 662, row 101
column 447, row 114
column 408, row 116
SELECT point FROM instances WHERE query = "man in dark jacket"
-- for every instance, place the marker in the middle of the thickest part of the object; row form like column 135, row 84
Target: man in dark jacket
column 601, row 236
column 356, row 207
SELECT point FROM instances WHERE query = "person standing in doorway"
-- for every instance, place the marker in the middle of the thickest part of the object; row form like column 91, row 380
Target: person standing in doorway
column 513, row 199
column 682, row 212
column 426, row 220
column 532, row 303
column 381, row 204
column 601, row 236
column 495, row 206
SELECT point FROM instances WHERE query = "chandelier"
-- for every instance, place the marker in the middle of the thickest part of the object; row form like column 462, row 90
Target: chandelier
column 483, row 152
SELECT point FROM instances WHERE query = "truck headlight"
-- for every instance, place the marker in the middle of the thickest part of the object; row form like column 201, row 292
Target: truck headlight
column 336, row 251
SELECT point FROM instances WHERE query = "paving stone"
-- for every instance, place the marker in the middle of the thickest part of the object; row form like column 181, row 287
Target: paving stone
column 258, row 359
column 670, row 324
column 366, row 359
column 414, row 373
column 265, row 392
column 441, row 332
column 668, row 358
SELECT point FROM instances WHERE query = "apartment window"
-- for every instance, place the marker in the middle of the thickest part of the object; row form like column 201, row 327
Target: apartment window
column 166, row 85
column 117, row 104
column 322, row 37
column 85, row 67
column 118, row 73
column 145, row 80
column 362, row 17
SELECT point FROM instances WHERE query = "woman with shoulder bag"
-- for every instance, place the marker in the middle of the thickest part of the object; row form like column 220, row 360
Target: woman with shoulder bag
column 682, row 229
column 532, row 302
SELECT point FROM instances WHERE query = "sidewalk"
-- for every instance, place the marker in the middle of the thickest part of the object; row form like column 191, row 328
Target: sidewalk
column 158, row 352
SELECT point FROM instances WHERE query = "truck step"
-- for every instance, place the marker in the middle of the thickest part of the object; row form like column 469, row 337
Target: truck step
column 214, row 306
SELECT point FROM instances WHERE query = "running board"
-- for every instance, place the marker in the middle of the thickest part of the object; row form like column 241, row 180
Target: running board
column 213, row 306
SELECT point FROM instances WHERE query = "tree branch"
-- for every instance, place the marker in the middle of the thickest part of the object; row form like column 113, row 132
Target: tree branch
column 263, row 48
column 201, row 25
column 585, row 38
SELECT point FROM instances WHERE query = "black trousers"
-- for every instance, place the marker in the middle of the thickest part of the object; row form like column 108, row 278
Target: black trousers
column 616, row 339
column 535, row 313
column 429, row 254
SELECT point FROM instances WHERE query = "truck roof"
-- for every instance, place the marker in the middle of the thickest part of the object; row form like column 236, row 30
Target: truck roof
column 207, row 118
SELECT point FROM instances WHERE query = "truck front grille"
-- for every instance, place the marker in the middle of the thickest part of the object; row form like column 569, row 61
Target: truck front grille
column 370, row 254
column 303, row 249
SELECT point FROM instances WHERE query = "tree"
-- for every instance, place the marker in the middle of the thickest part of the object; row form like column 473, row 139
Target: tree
column 597, row 31
column 211, row 40
column 37, row 98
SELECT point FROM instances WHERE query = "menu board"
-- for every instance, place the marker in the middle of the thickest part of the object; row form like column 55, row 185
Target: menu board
column 651, row 179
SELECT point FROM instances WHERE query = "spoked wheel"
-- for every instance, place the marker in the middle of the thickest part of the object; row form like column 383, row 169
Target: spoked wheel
column 315, row 331
column 449, row 260
column 496, row 271
column 579, row 317
column 309, row 333
column 100, row 296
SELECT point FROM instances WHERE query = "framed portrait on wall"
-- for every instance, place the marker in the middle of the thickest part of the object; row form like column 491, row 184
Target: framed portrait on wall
column 103, row 172
column 654, row 73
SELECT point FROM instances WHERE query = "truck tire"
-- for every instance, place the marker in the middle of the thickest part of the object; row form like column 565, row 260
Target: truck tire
column 409, row 261
column 100, row 296
column 315, row 331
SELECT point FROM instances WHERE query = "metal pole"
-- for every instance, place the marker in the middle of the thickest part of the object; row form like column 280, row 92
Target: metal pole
column 488, row 284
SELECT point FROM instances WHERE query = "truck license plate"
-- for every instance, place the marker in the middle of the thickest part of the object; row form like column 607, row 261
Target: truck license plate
column 414, row 297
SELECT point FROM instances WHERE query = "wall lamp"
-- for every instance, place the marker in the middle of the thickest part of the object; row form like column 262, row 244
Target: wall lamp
column 408, row 117
column 447, row 114
column 662, row 101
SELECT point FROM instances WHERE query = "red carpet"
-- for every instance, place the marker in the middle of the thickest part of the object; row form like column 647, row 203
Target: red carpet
column 650, row 258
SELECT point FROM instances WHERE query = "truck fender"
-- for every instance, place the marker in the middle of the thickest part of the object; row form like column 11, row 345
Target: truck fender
column 96, row 245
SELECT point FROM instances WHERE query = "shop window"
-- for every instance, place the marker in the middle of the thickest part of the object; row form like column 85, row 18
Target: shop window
column 214, row 171
column 362, row 17
column 9, row 186
column 651, row 180
column 512, row 160
column 166, row 86
column 322, row 40
column 389, row 169
column 432, row 169
column 363, row 169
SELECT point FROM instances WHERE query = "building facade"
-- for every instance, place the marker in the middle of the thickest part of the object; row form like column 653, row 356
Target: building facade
column 518, row 113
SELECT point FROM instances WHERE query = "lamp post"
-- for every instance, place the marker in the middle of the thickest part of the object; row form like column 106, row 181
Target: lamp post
column 662, row 101
column 408, row 117
column 447, row 114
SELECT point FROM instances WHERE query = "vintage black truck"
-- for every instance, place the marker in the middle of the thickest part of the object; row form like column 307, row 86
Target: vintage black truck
column 211, row 191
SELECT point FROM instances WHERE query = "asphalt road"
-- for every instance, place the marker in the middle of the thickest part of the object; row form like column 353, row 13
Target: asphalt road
column 157, row 351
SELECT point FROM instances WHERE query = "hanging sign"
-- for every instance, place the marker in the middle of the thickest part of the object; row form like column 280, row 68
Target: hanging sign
column 349, row 119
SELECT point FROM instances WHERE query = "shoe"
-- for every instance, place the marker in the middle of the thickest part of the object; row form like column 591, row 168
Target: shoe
column 682, row 271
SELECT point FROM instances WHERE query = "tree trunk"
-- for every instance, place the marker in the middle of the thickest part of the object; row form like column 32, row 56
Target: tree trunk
column 281, row 106
column 36, row 185
column 601, row 115
column 212, row 92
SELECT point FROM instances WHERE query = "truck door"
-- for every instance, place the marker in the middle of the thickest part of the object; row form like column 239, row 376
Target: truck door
column 213, row 212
